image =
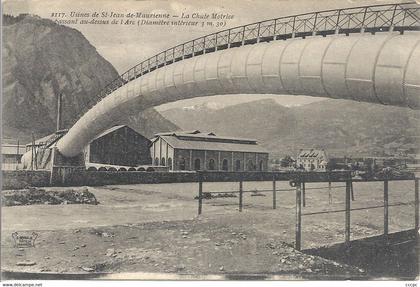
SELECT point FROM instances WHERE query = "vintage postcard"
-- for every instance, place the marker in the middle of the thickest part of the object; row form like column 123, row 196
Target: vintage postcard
column 220, row 140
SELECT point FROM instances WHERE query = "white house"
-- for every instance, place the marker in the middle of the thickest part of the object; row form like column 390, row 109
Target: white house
column 312, row 159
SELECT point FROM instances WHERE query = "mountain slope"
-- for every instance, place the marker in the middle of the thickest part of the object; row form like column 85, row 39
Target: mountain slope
column 341, row 127
column 150, row 122
column 259, row 119
column 355, row 128
column 41, row 60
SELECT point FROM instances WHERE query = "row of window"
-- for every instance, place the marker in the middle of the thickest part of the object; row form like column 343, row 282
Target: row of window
column 211, row 164
column 225, row 165
column 311, row 166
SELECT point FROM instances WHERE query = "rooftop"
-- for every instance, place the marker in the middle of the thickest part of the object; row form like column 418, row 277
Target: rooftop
column 206, row 136
column 110, row 130
column 49, row 139
column 197, row 140
column 311, row 153
column 13, row 149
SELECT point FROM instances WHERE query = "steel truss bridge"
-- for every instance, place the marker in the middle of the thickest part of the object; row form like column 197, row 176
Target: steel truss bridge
column 370, row 19
column 304, row 54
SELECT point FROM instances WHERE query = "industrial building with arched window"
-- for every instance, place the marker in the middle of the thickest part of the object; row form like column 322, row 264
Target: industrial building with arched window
column 205, row 151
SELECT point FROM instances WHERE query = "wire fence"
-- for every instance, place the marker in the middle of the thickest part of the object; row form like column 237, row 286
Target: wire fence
column 298, row 185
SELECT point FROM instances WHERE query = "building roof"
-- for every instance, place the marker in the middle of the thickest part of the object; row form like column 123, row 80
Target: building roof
column 13, row 149
column 206, row 136
column 50, row 139
column 184, row 132
column 113, row 129
column 311, row 153
column 209, row 141
column 110, row 130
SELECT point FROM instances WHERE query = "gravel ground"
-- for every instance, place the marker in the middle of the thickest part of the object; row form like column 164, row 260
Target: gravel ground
column 199, row 246
column 155, row 229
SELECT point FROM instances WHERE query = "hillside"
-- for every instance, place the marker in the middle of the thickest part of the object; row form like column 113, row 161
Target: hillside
column 341, row 127
column 150, row 122
column 259, row 119
column 41, row 60
column 358, row 128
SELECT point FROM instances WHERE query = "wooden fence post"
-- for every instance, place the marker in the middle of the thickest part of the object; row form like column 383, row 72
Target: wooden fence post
column 329, row 193
column 347, row 226
column 298, row 216
column 303, row 194
column 240, row 195
column 386, row 208
column 274, row 193
column 200, row 193
column 63, row 174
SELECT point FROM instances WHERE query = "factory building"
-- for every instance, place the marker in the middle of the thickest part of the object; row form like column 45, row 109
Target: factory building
column 205, row 151
column 119, row 145
column 312, row 159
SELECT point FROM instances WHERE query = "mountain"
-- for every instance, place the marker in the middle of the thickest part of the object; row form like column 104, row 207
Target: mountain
column 242, row 120
column 150, row 122
column 341, row 127
column 42, row 59
column 356, row 128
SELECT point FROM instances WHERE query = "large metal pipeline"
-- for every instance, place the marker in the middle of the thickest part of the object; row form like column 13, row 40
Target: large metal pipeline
column 381, row 68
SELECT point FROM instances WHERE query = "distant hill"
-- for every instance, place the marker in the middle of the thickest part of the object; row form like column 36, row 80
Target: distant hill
column 339, row 126
column 150, row 122
column 358, row 128
column 42, row 59
column 259, row 119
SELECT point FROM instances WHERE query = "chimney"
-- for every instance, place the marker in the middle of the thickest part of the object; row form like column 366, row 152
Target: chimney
column 59, row 111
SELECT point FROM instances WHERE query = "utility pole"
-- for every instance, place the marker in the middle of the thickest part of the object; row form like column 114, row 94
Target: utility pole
column 32, row 151
column 17, row 155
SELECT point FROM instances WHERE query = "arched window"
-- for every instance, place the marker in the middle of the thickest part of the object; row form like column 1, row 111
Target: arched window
column 261, row 167
column 225, row 165
column 212, row 164
column 156, row 161
column 250, row 165
column 170, row 162
column 162, row 162
column 197, row 164
column 238, row 165
column 181, row 164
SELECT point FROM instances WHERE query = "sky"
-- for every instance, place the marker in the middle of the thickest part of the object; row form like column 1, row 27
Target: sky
column 124, row 45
